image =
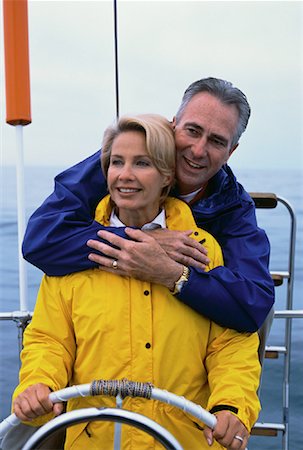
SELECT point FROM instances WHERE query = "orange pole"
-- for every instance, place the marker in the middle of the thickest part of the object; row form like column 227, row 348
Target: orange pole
column 15, row 19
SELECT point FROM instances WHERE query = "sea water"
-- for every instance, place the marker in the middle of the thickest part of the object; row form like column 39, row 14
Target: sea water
column 289, row 185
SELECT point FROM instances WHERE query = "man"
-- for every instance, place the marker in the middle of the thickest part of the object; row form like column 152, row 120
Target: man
column 212, row 116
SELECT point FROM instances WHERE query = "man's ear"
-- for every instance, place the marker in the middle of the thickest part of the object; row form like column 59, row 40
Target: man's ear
column 230, row 153
column 232, row 149
column 174, row 123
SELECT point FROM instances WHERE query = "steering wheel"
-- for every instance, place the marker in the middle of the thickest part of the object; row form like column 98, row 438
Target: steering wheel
column 119, row 389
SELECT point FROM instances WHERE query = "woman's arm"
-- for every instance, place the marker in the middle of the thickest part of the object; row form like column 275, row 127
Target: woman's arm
column 48, row 354
column 233, row 369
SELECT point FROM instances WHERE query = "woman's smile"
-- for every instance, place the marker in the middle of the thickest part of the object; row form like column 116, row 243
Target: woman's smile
column 134, row 182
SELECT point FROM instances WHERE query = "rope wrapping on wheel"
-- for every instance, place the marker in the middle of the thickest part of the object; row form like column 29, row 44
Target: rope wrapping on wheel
column 124, row 388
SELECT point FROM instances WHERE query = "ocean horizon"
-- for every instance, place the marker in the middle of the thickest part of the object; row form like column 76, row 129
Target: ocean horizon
column 286, row 184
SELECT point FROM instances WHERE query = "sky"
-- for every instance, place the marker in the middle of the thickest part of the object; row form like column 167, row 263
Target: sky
column 163, row 47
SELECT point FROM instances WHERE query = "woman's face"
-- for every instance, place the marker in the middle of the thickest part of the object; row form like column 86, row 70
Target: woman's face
column 134, row 183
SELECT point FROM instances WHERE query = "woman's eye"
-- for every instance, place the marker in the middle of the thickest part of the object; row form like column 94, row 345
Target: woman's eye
column 116, row 162
column 143, row 163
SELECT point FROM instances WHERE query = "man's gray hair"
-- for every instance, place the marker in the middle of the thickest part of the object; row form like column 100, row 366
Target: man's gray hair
column 226, row 93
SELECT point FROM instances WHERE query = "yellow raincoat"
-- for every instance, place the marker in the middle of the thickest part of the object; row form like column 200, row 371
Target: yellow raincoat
column 92, row 324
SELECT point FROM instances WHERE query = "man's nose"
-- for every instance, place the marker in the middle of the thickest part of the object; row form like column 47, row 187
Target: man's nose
column 200, row 148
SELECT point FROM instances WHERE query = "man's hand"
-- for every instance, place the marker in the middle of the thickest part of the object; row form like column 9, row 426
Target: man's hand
column 142, row 257
column 229, row 432
column 180, row 247
column 34, row 402
column 176, row 244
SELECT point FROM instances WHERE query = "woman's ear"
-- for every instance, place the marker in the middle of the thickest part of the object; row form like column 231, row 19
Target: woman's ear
column 167, row 180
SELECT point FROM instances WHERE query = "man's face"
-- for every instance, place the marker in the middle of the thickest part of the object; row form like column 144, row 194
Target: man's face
column 203, row 139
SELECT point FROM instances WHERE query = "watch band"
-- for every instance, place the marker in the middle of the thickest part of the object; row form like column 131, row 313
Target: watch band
column 180, row 282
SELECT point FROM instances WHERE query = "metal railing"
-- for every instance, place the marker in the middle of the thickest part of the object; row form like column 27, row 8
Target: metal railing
column 269, row 201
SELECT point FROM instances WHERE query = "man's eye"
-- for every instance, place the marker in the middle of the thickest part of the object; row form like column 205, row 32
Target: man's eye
column 192, row 131
column 218, row 142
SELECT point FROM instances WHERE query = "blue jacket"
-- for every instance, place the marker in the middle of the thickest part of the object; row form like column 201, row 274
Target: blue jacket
column 238, row 295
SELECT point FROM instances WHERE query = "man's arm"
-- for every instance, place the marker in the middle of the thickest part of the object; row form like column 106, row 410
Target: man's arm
column 239, row 297
column 240, row 294
column 57, row 232
column 229, row 299
column 243, row 287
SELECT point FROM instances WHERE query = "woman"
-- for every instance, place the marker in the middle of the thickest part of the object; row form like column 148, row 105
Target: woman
column 95, row 324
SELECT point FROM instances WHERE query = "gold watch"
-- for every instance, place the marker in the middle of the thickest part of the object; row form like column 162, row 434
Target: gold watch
column 180, row 281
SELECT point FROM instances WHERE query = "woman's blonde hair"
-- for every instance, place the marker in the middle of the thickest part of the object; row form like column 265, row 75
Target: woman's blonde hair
column 159, row 139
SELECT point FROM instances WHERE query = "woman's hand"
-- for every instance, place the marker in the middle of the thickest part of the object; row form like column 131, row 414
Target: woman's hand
column 35, row 402
column 142, row 257
column 229, row 432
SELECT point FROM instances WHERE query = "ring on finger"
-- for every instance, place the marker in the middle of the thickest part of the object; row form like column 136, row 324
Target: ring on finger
column 115, row 264
column 239, row 438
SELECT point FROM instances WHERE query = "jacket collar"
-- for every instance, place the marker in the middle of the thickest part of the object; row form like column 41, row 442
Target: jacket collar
column 222, row 194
